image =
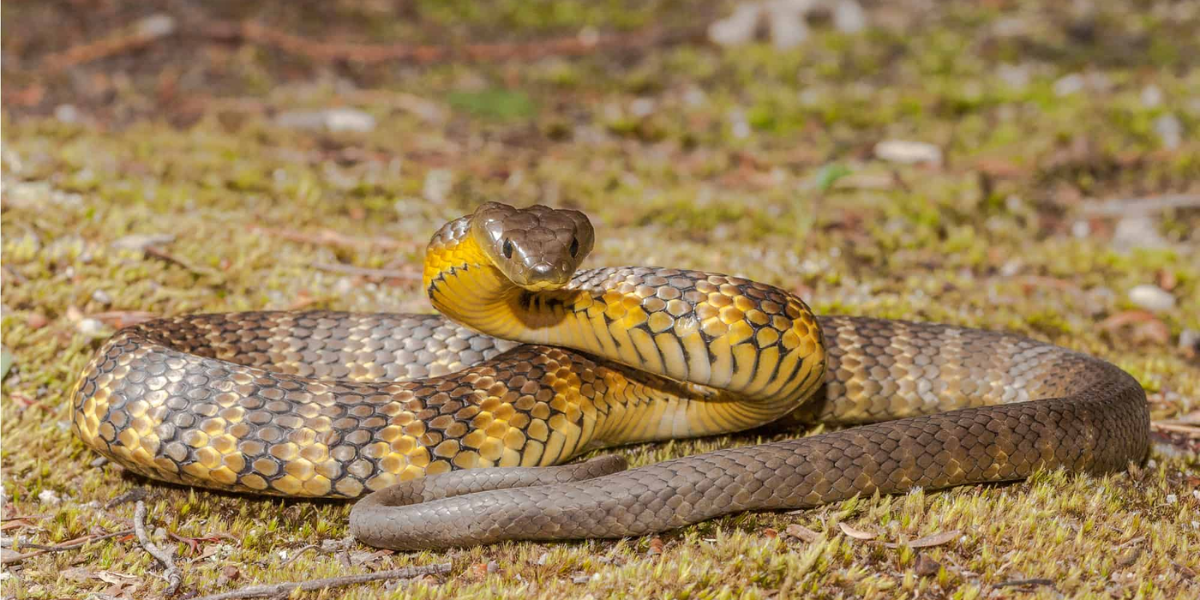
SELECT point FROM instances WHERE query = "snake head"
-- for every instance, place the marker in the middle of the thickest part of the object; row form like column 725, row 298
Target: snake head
column 538, row 248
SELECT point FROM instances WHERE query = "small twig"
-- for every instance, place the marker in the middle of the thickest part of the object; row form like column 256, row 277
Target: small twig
column 365, row 272
column 329, row 237
column 1190, row 431
column 1119, row 207
column 133, row 495
column 1024, row 582
column 280, row 589
column 22, row 517
column 40, row 549
column 174, row 576
column 143, row 33
column 575, row 45
column 298, row 554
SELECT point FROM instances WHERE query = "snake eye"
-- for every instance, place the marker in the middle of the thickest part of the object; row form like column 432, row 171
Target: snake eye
column 508, row 249
column 574, row 246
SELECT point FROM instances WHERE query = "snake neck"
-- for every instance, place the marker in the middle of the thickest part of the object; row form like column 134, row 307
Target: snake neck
column 746, row 340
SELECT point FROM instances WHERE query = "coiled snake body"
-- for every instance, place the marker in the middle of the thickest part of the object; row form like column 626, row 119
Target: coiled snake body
column 535, row 362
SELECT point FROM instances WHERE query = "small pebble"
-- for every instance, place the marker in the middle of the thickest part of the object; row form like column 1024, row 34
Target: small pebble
column 49, row 497
column 36, row 321
column 438, row 183
column 1169, row 130
column 141, row 241
column 1152, row 96
column 89, row 326
column 1138, row 232
column 493, row 567
column 581, row 579
column 1068, row 85
column 738, row 28
column 334, row 119
column 67, row 113
column 1152, row 298
column 642, row 107
column 908, row 152
column 927, row 567
column 1189, row 339
column 786, row 22
column 102, row 297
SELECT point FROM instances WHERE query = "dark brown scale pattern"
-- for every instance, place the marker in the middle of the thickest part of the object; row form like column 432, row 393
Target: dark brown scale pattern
column 227, row 400
column 1051, row 408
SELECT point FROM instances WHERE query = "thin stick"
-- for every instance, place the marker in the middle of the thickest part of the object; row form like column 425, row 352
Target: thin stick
column 174, row 576
column 40, row 549
column 365, row 272
column 279, row 589
column 324, row 52
column 143, row 33
column 1118, row 207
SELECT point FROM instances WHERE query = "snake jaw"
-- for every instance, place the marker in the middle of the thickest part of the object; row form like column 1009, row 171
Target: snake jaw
column 538, row 248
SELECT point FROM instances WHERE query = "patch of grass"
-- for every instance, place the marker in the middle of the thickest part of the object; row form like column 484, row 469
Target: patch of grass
column 647, row 145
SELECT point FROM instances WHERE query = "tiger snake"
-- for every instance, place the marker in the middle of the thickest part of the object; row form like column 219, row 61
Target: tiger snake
column 533, row 362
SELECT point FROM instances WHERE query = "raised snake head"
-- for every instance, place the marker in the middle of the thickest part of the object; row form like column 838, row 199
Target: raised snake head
column 538, row 248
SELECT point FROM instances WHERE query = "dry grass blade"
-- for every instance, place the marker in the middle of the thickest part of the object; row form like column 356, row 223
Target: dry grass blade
column 857, row 534
column 283, row 589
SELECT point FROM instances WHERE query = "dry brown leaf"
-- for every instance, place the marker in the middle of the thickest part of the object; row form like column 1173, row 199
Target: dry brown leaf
column 936, row 539
column 857, row 534
column 79, row 574
column 802, row 533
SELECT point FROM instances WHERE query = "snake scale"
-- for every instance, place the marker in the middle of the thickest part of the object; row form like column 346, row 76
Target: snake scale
column 533, row 362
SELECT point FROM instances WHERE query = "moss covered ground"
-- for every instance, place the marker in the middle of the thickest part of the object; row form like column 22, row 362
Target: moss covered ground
column 172, row 178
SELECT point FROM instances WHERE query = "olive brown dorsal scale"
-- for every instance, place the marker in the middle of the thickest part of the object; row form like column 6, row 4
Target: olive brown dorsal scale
column 536, row 361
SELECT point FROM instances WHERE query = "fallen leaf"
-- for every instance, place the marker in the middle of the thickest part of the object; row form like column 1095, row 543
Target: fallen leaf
column 141, row 241
column 802, row 533
column 857, row 534
column 79, row 574
column 936, row 539
column 656, row 546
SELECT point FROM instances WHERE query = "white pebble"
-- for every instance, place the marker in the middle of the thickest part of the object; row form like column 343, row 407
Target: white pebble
column 1169, row 130
column 1189, row 338
column 102, row 297
column 89, row 326
column 1138, row 232
column 438, row 183
column 736, row 29
column 908, row 152
column 1152, row 96
column 49, row 497
column 1152, row 298
column 67, row 113
column 334, row 119
column 642, row 107
column 1068, row 85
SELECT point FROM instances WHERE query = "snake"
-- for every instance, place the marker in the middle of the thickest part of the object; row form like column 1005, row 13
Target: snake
column 533, row 362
